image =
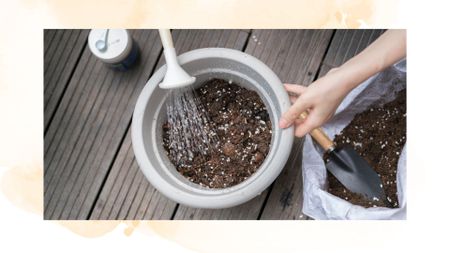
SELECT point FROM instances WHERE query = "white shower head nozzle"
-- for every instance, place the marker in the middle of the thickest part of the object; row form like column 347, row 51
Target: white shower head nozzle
column 175, row 76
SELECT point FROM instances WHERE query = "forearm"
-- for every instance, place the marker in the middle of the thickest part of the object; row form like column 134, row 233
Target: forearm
column 388, row 49
column 324, row 95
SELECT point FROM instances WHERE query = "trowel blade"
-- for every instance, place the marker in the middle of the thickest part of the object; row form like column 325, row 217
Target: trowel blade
column 355, row 173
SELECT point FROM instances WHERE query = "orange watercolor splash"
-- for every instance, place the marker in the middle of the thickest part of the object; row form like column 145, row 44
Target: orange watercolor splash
column 218, row 14
column 99, row 13
column 23, row 186
column 356, row 12
column 167, row 229
column 97, row 228
column 202, row 236
column 131, row 227
column 90, row 229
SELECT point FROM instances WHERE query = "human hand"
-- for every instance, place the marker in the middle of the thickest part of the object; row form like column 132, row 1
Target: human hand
column 320, row 99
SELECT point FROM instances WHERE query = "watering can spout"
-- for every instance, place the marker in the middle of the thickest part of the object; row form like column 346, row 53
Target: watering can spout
column 175, row 77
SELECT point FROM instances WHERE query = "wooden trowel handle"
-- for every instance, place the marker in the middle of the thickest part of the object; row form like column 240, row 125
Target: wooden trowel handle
column 319, row 136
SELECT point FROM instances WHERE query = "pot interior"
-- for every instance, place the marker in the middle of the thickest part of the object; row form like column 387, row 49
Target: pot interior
column 205, row 69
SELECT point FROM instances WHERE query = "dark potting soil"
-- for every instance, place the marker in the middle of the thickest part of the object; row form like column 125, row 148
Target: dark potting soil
column 377, row 134
column 244, row 130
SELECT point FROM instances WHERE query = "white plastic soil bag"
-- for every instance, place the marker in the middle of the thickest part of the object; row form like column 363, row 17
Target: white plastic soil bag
column 317, row 202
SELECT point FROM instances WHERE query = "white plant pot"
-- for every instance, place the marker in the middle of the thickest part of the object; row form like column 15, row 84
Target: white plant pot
column 150, row 114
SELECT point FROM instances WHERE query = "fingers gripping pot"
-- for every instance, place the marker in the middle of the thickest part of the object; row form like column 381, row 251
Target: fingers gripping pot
column 150, row 113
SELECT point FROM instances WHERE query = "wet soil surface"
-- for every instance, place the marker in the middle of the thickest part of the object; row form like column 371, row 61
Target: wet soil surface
column 241, row 122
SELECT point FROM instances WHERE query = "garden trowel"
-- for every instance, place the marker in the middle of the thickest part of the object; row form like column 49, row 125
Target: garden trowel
column 349, row 167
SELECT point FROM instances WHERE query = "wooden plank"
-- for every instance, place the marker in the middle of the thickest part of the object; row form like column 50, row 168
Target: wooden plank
column 63, row 50
column 295, row 55
column 49, row 35
column 286, row 198
column 247, row 211
column 346, row 44
column 127, row 194
column 51, row 47
column 88, row 127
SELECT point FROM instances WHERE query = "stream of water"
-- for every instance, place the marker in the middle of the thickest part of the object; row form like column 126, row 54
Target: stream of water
column 191, row 131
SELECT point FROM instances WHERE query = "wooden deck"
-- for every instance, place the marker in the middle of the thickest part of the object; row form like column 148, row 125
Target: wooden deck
column 89, row 167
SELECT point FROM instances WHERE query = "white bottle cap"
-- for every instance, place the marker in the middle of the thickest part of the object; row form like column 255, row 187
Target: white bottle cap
column 119, row 44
